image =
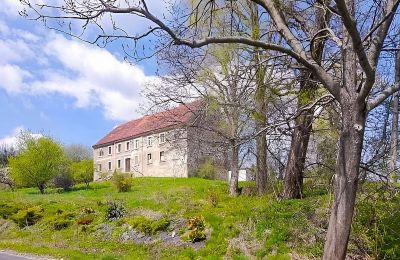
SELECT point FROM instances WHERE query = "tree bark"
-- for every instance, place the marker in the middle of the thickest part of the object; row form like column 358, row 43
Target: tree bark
column 234, row 180
column 354, row 111
column 395, row 124
column 346, row 181
column 260, row 107
column 262, row 170
column 293, row 187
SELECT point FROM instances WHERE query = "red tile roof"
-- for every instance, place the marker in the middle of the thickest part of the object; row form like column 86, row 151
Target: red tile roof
column 182, row 114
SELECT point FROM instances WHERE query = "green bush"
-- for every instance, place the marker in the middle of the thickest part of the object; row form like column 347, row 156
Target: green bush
column 212, row 198
column 207, row 170
column 61, row 220
column 8, row 209
column 148, row 226
column 85, row 220
column 122, row 181
column 115, row 210
column 28, row 217
column 195, row 232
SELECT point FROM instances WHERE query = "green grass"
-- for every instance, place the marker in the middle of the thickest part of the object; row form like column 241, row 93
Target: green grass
column 269, row 228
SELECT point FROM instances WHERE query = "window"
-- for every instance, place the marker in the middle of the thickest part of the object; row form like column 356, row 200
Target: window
column 119, row 164
column 149, row 158
column 162, row 138
column 101, row 153
column 136, row 143
column 119, row 148
column 149, row 141
column 109, row 166
column 109, row 150
column 162, row 156
column 99, row 167
column 136, row 159
column 128, row 145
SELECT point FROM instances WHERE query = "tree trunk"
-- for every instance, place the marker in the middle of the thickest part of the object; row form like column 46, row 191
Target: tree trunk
column 293, row 187
column 394, row 134
column 353, row 118
column 395, row 124
column 298, row 150
column 41, row 187
column 234, row 180
column 262, row 171
column 346, row 181
column 260, row 112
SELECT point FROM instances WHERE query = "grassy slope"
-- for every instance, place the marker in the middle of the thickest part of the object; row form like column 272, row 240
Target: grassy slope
column 243, row 226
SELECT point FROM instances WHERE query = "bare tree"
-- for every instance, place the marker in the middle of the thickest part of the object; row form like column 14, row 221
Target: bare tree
column 357, row 42
column 395, row 122
column 78, row 152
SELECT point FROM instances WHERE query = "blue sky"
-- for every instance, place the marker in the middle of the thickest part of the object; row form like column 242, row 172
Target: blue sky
column 54, row 85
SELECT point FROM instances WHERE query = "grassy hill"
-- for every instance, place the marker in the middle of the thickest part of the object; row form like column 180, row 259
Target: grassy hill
column 72, row 225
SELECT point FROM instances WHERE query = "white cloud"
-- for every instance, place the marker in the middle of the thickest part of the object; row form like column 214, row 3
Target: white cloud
column 11, row 140
column 92, row 76
column 13, row 78
column 10, row 7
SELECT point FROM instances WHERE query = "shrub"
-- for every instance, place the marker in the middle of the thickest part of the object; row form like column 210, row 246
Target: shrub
column 85, row 220
column 212, row 198
column 61, row 220
column 88, row 211
column 122, row 181
column 149, row 226
column 206, row 170
column 195, row 233
column 115, row 210
column 8, row 209
column 28, row 217
column 64, row 180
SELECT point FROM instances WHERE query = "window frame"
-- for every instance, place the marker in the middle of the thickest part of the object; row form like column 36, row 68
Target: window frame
column 162, row 156
column 136, row 160
column 159, row 138
column 110, row 150
column 128, row 146
column 150, row 141
column 101, row 152
column 149, row 158
column 136, row 143
column 119, row 164
column 109, row 166
column 119, row 148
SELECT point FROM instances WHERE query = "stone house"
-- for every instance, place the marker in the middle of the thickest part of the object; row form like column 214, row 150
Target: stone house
column 164, row 144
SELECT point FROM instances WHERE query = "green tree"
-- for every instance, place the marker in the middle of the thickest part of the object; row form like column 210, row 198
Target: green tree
column 82, row 171
column 38, row 163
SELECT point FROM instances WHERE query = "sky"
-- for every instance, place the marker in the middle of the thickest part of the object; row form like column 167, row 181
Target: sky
column 62, row 87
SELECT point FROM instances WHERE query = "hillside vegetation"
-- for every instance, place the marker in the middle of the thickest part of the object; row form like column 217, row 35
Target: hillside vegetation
column 164, row 218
